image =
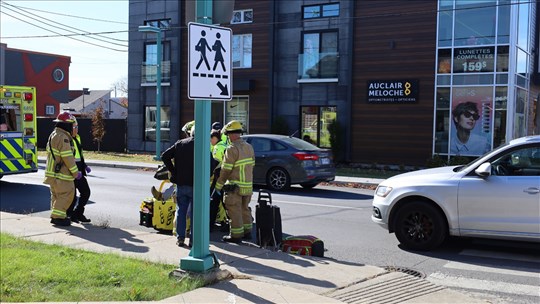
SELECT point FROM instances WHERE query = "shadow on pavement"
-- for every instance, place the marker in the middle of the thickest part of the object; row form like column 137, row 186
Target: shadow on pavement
column 318, row 193
column 266, row 257
column 233, row 289
column 24, row 198
column 116, row 238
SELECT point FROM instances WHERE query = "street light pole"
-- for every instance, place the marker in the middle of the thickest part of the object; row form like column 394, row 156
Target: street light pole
column 84, row 92
column 157, row 30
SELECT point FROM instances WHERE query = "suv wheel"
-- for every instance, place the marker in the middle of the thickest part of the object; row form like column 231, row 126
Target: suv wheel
column 278, row 179
column 420, row 226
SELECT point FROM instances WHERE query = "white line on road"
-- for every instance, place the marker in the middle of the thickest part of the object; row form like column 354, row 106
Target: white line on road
column 501, row 255
column 321, row 205
column 465, row 283
column 514, row 271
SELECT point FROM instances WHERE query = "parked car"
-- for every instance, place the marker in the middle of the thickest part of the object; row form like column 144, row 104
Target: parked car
column 495, row 196
column 284, row 160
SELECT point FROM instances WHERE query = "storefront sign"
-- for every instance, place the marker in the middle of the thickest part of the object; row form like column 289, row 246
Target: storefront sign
column 392, row 91
column 474, row 60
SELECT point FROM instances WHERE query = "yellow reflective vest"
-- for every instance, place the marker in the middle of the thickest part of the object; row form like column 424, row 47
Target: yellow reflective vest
column 60, row 151
column 237, row 167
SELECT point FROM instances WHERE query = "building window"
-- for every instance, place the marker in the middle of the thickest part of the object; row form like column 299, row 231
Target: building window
column 315, row 122
column 319, row 58
column 150, row 123
column 238, row 109
column 242, row 51
column 49, row 110
column 242, row 16
column 321, row 11
column 160, row 23
column 475, row 23
column 149, row 67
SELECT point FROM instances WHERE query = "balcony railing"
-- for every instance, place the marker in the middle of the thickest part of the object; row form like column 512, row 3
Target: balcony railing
column 149, row 73
column 318, row 67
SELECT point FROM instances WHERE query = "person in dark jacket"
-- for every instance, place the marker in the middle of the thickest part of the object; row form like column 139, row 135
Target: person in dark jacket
column 182, row 152
column 76, row 211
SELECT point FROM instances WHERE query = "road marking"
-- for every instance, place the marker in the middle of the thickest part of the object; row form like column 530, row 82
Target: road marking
column 465, row 283
column 526, row 272
column 501, row 255
column 321, row 205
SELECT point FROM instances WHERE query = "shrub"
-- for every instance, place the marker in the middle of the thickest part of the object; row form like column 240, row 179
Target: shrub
column 435, row 161
column 336, row 140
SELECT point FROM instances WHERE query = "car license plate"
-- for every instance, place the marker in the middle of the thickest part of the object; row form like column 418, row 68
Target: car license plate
column 325, row 161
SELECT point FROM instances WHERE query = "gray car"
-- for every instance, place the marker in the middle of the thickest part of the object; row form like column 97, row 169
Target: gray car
column 284, row 160
column 495, row 196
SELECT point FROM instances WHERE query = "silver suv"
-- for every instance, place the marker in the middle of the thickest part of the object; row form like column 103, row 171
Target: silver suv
column 495, row 196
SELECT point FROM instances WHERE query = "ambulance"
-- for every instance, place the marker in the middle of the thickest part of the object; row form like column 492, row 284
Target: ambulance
column 18, row 126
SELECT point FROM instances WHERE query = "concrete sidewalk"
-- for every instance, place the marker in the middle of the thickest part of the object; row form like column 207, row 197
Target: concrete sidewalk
column 251, row 274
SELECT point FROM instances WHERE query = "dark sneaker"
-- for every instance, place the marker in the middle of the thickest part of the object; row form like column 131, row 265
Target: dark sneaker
column 60, row 222
column 180, row 243
column 83, row 219
column 230, row 239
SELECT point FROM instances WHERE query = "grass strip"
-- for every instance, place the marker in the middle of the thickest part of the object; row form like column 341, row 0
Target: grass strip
column 37, row 272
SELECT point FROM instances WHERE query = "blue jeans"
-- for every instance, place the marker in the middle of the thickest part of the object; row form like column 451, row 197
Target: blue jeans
column 184, row 199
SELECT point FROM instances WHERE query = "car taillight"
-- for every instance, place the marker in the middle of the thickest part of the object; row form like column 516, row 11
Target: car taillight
column 305, row 156
column 28, row 117
column 27, row 96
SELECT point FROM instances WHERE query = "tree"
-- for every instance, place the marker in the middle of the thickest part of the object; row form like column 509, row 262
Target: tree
column 121, row 84
column 98, row 126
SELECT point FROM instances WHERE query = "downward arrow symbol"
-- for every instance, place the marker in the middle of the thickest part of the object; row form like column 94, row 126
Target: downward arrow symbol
column 224, row 90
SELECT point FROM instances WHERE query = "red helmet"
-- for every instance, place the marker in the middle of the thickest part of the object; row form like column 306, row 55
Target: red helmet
column 65, row 117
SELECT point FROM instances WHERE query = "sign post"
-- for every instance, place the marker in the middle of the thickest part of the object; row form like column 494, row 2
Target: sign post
column 209, row 78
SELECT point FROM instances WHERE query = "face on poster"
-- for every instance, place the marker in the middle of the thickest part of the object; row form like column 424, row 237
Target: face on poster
column 471, row 113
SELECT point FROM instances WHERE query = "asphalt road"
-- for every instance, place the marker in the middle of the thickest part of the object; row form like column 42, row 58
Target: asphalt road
column 507, row 272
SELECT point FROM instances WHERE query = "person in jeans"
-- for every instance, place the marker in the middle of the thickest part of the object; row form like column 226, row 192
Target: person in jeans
column 182, row 152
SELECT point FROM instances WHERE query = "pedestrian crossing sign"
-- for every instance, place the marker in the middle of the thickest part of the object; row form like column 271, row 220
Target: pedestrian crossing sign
column 210, row 58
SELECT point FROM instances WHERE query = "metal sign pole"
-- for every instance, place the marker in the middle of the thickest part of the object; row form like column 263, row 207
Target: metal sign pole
column 200, row 259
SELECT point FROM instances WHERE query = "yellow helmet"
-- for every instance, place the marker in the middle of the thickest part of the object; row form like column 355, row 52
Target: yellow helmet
column 234, row 126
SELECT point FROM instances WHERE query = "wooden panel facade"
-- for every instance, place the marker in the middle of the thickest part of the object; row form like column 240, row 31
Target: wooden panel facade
column 258, row 74
column 394, row 40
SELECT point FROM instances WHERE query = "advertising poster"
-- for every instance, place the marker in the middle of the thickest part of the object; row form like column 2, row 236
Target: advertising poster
column 470, row 124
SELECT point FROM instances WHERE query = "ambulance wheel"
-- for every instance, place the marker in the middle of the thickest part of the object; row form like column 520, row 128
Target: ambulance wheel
column 278, row 179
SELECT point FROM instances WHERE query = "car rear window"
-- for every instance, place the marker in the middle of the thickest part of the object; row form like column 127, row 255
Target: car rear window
column 299, row 144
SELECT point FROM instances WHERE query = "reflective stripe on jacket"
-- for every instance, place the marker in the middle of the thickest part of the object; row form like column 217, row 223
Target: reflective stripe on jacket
column 76, row 148
column 237, row 167
column 60, row 151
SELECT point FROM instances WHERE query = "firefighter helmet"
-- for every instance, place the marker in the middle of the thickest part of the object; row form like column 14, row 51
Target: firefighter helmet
column 65, row 117
column 234, row 126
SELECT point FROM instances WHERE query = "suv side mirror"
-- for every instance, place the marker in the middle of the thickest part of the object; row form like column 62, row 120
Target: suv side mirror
column 484, row 170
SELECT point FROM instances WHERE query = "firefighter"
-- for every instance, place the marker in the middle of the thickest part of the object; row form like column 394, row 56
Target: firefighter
column 76, row 214
column 61, row 168
column 236, row 180
column 218, row 147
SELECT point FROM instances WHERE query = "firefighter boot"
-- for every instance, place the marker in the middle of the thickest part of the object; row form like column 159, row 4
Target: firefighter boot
column 60, row 221
column 230, row 239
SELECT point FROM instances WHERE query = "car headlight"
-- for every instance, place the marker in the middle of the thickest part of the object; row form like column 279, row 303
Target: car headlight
column 383, row 191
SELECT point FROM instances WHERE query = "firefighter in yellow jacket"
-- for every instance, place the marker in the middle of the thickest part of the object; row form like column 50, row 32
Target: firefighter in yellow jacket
column 61, row 168
column 236, row 180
